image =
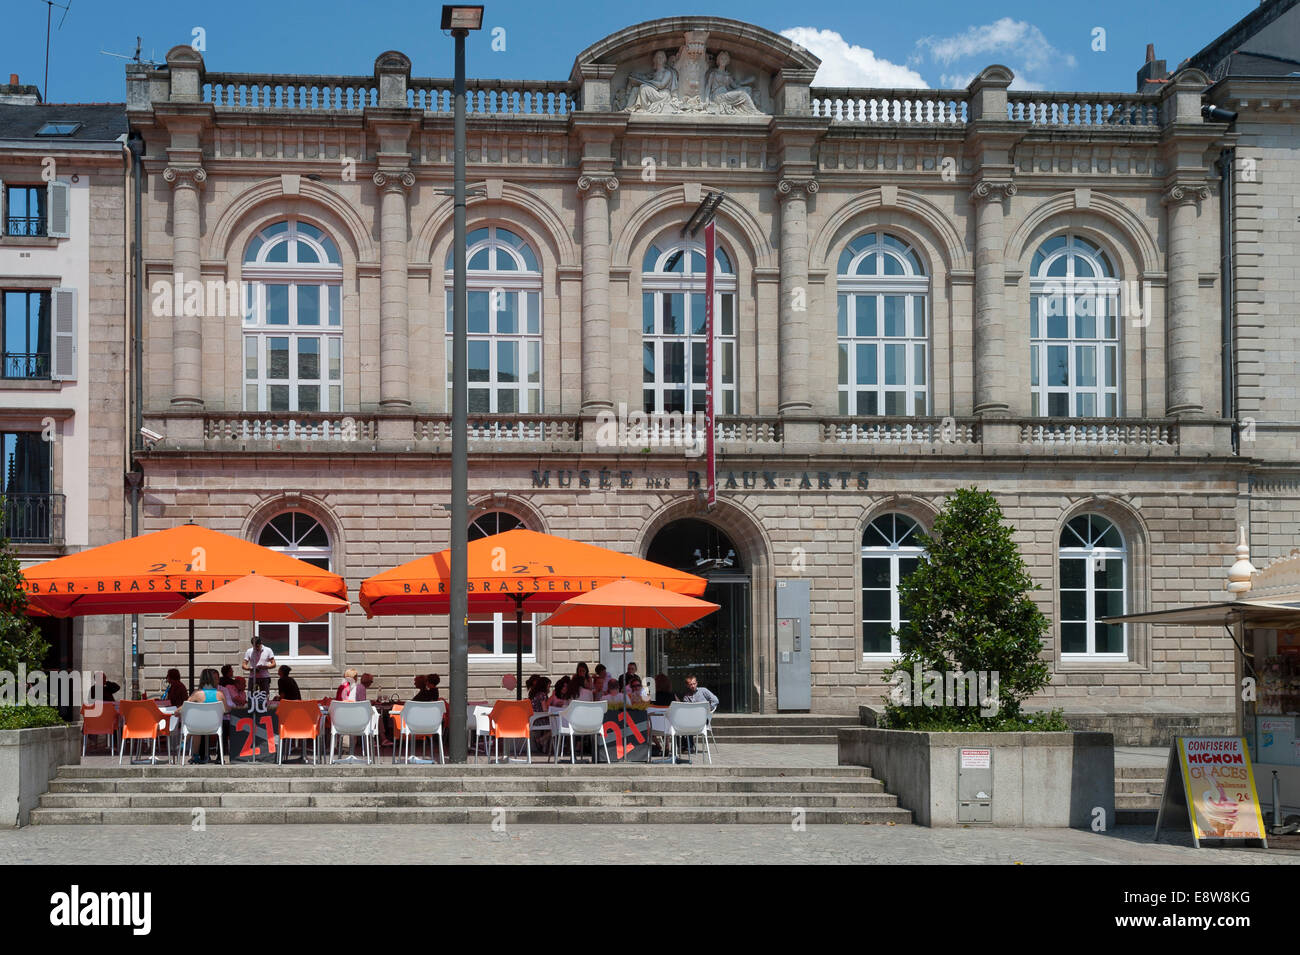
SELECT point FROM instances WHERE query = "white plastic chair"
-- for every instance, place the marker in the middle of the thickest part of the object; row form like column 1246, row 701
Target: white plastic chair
column 478, row 727
column 688, row 720
column 350, row 719
column 546, row 721
column 201, row 719
column 582, row 719
column 422, row 719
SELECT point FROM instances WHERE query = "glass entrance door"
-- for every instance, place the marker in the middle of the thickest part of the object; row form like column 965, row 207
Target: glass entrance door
column 715, row 648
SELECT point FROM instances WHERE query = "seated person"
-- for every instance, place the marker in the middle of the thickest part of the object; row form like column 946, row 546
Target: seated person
column 287, row 686
column 634, row 692
column 208, row 692
column 176, row 693
column 427, row 687
column 663, row 690
column 347, row 689
column 227, row 676
column 560, row 698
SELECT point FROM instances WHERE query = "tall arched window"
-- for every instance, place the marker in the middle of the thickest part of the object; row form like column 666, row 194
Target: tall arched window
column 293, row 321
column 494, row 634
column 672, row 329
column 1094, row 575
column 883, row 297
column 299, row 535
column 890, row 553
column 504, row 283
column 1073, row 330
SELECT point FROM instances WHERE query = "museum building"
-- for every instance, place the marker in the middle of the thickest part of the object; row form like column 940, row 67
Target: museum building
column 916, row 290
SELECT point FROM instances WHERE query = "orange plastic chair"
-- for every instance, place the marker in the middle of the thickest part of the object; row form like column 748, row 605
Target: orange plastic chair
column 509, row 719
column 299, row 719
column 103, row 723
column 141, row 719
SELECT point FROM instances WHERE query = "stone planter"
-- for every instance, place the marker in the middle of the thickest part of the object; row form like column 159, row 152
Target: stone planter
column 28, row 761
column 1052, row 780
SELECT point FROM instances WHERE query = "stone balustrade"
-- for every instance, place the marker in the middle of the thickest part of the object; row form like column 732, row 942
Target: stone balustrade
column 1073, row 110
column 1141, row 432
column 892, row 107
column 497, row 98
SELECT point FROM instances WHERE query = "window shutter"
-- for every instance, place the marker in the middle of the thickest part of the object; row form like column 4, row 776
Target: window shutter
column 63, row 364
column 56, row 207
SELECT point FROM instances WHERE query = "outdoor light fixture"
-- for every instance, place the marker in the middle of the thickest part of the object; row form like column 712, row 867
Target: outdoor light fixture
column 1217, row 114
column 462, row 18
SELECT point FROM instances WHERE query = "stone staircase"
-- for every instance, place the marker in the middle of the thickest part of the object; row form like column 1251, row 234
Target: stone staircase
column 798, row 728
column 483, row 793
column 1137, row 794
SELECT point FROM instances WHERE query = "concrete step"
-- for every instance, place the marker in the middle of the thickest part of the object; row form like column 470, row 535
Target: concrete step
column 506, row 770
column 1137, row 801
column 701, row 784
column 1133, row 785
column 431, row 816
column 778, row 740
column 1140, row 772
column 448, row 800
column 800, row 733
column 792, row 719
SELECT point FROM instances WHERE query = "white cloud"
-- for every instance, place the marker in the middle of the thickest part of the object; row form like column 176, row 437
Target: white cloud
column 1015, row 43
column 844, row 64
column 955, row 81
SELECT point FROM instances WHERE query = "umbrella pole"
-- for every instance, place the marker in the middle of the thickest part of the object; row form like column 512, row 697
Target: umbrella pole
column 191, row 685
column 519, row 649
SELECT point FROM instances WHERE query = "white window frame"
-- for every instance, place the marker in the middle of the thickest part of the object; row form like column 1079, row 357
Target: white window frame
column 1050, row 295
column 895, row 551
column 850, row 288
column 294, row 549
column 498, row 656
column 524, row 283
column 689, row 282
column 325, row 275
column 1092, row 554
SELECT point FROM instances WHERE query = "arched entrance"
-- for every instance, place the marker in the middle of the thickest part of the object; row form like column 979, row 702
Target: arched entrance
column 717, row 648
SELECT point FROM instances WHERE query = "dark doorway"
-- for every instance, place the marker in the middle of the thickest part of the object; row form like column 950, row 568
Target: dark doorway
column 716, row 648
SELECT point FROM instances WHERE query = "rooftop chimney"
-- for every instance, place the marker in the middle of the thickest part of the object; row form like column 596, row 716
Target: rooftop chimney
column 1153, row 74
column 13, row 93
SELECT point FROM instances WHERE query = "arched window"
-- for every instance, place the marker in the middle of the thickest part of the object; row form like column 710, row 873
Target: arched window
column 1094, row 575
column 672, row 330
column 504, row 319
column 883, row 296
column 300, row 535
column 890, row 553
column 1073, row 330
column 494, row 635
column 293, row 320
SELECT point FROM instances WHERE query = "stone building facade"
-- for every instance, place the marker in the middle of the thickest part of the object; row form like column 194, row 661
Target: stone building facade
column 63, row 340
column 917, row 290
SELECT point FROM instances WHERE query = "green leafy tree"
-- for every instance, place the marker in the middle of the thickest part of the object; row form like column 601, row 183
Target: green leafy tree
column 20, row 640
column 969, row 609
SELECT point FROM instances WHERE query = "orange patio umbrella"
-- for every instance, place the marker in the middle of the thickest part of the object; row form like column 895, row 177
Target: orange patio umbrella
column 633, row 605
column 517, row 570
column 260, row 598
column 159, row 572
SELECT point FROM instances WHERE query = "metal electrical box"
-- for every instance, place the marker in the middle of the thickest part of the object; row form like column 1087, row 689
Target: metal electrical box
column 974, row 784
column 793, row 648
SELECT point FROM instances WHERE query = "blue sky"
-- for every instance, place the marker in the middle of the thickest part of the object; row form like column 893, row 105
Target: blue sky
column 934, row 43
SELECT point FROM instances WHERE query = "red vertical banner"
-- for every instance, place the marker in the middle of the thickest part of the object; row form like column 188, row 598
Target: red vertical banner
column 711, row 464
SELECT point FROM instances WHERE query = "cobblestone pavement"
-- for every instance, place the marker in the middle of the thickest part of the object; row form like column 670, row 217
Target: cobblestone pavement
column 318, row 844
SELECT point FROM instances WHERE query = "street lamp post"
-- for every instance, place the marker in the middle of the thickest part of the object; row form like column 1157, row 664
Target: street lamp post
column 459, row 20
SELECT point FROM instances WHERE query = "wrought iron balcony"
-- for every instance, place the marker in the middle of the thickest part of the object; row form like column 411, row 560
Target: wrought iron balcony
column 33, row 518
column 25, row 225
column 29, row 365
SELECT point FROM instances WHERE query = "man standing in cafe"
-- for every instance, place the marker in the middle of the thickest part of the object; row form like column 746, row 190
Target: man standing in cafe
column 259, row 660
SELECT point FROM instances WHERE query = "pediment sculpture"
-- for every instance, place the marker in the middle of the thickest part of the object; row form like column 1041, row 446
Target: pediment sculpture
column 685, row 82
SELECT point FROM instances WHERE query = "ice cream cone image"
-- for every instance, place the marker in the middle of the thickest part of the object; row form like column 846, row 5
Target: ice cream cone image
column 1218, row 812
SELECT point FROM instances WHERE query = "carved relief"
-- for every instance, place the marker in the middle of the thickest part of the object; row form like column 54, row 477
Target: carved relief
column 686, row 83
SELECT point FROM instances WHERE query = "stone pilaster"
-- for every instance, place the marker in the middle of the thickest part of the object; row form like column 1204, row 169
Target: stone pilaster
column 187, row 329
column 795, row 397
column 394, row 327
column 595, row 191
column 1184, row 335
column 987, row 197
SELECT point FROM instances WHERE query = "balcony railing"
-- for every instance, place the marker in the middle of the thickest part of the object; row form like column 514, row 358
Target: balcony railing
column 31, row 365
column 1097, row 110
column 256, row 91
column 33, row 518
column 956, row 431
column 289, row 427
column 436, row 429
column 1074, row 432
column 495, row 97
column 951, row 108
column 25, row 225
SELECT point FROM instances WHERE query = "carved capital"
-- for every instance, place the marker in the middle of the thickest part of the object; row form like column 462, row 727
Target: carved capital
column 788, row 188
column 192, row 176
column 1185, row 192
column 393, row 180
column 993, row 189
column 587, row 183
